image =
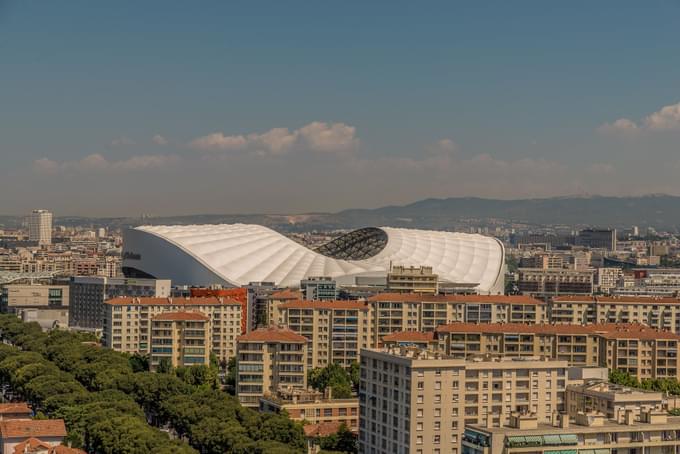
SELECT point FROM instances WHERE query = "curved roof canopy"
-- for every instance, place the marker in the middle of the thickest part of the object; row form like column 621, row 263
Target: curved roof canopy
column 239, row 254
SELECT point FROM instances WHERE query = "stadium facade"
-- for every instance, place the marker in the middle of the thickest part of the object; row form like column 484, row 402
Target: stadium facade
column 237, row 254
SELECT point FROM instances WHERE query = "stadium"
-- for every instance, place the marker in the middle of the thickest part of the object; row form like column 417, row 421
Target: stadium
column 237, row 254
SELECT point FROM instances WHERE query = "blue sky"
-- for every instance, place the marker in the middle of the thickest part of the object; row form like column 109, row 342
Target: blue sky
column 401, row 100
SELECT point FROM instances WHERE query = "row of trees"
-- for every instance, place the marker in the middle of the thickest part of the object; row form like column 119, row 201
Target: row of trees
column 111, row 404
column 666, row 385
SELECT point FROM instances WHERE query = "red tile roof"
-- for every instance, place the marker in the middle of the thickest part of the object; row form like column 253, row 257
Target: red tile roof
column 14, row 408
column 30, row 446
column 648, row 300
column 605, row 330
column 355, row 305
column 181, row 316
column 323, row 429
column 272, row 334
column 410, row 336
column 286, row 295
column 422, row 298
column 149, row 301
column 23, row 428
column 61, row 449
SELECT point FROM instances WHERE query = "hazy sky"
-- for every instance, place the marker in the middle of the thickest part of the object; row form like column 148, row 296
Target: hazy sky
column 164, row 107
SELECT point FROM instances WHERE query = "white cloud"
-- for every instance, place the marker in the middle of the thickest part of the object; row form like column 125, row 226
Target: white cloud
column 622, row 125
column 98, row 163
column 159, row 140
column 316, row 136
column 667, row 118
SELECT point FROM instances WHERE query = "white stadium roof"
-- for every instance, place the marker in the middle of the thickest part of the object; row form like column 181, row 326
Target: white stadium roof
column 237, row 254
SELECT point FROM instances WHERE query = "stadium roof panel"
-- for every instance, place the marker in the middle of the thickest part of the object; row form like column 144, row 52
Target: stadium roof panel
column 237, row 254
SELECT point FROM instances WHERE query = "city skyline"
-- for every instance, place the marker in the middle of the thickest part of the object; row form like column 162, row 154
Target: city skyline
column 241, row 108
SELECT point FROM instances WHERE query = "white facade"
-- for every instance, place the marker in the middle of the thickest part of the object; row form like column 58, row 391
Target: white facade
column 40, row 226
column 237, row 254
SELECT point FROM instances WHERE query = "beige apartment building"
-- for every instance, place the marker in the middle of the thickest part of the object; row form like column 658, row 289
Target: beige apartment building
column 658, row 312
column 412, row 279
column 313, row 407
column 415, row 401
column 276, row 299
column 180, row 338
column 640, row 350
column 128, row 322
column 651, row 431
column 394, row 312
column 269, row 359
column 336, row 330
column 610, row 399
column 555, row 282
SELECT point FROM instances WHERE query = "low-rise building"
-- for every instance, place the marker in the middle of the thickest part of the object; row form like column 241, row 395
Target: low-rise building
column 412, row 279
column 413, row 400
column 46, row 304
column 15, row 410
column 313, row 407
column 555, row 282
column 269, row 359
column 652, row 432
column 610, row 399
column 16, row 431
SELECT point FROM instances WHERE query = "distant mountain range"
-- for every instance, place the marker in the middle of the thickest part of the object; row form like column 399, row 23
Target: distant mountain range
column 659, row 211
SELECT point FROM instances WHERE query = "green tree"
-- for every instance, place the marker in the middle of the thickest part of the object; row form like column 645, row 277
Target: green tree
column 164, row 366
column 333, row 376
column 139, row 362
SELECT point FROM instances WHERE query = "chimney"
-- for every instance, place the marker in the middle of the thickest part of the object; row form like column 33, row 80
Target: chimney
column 629, row 419
column 555, row 419
column 564, row 421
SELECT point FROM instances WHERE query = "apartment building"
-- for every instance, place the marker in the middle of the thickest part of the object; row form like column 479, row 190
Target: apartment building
column 414, row 401
column 643, row 351
column 394, row 312
column 180, row 338
column 269, row 359
column 610, row 399
column 277, row 298
column 129, row 321
column 336, row 330
column 412, row 279
column 657, row 312
column 313, row 407
column 88, row 294
column 651, row 431
column 555, row 282
column 575, row 344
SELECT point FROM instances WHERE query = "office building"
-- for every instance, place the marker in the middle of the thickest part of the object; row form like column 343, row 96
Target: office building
column 40, row 227
column 412, row 279
column 47, row 305
column 321, row 288
column 648, row 431
column 417, row 401
column 129, row 323
column 269, row 359
column 88, row 294
column 598, row 239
